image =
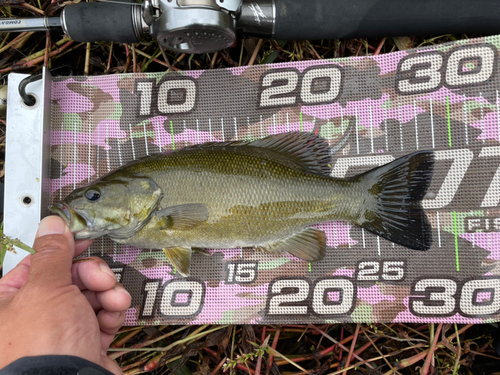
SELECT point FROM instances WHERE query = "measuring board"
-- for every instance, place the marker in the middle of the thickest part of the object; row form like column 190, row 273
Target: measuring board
column 443, row 98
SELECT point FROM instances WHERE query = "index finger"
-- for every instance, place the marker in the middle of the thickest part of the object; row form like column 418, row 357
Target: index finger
column 81, row 246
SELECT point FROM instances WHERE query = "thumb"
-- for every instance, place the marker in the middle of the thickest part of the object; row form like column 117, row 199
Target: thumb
column 55, row 249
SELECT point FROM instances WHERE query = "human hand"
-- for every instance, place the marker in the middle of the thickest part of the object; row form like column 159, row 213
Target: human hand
column 51, row 306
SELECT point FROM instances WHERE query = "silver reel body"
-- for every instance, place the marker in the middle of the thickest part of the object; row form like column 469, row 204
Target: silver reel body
column 192, row 26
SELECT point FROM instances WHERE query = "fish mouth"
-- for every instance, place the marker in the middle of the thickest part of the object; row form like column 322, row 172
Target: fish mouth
column 75, row 221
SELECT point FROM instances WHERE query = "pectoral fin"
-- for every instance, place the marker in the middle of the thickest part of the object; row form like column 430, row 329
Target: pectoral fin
column 309, row 245
column 180, row 258
column 182, row 217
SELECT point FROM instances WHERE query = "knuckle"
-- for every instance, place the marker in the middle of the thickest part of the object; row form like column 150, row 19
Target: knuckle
column 51, row 243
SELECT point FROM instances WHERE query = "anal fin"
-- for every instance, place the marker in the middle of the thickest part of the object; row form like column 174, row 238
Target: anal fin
column 180, row 258
column 201, row 251
column 308, row 245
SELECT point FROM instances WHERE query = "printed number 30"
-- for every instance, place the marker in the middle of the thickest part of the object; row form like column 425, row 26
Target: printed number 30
column 438, row 297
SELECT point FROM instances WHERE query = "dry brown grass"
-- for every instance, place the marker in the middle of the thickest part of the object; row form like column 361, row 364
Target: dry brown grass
column 260, row 349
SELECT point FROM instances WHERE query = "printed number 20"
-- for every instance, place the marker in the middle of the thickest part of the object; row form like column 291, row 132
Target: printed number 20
column 289, row 297
column 280, row 87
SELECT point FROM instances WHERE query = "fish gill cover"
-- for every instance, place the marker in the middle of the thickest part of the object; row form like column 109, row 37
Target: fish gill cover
column 371, row 110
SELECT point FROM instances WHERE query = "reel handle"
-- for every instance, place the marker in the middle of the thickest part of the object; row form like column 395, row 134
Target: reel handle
column 95, row 22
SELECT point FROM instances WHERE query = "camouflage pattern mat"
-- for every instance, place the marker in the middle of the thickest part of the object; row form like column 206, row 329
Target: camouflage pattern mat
column 443, row 98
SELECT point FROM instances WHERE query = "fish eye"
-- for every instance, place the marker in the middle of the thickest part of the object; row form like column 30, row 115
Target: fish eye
column 93, row 194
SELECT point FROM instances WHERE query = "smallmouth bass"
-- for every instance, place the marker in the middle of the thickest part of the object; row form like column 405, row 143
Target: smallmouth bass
column 263, row 194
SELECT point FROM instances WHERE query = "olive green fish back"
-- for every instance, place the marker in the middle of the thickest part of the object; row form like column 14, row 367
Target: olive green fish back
column 371, row 110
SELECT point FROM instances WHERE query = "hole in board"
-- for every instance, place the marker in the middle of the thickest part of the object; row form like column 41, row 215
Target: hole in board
column 33, row 103
column 26, row 200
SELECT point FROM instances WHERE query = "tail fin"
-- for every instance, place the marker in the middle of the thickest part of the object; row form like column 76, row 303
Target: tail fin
column 393, row 207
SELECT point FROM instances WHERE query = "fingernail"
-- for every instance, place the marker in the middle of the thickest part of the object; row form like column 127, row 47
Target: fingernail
column 121, row 289
column 81, row 260
column 105, row 268
column 51, row 225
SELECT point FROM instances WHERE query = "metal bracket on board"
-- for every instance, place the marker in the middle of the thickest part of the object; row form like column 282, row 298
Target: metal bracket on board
column 26, row 162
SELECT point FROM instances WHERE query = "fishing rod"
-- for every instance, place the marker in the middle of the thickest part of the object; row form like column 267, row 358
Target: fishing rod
column 202, row 26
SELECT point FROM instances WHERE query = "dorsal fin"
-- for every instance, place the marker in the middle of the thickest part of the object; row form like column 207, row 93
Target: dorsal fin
column 301, row 151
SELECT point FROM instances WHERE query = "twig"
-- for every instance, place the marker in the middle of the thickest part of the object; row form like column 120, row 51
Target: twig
column 379, row 48
column 460, row 331
column 134, row 59
column 129, row 58
column 47, row 47
column 180, row 58
column 321, row 338
column 7, row 35
column 145, row 343
column 353, row 337
column 366, row 361
column 216, row 369
column 303, row 333
column 239, row 366
column 341, row 351
column 352, row 348
column 275, row 353
column 255, row 51
column 161, row 349
column 427, row 363
column 316, row 53
column 40, row 59
column 381, row 355
column 484, row 354
column 145, row 357
column 232, row 349
column 139, row 52
column 459, row 354
column 86, row 70
column 407, row 362
column 414, row 330
column 273, row 346
column 195, row 332
column 59, row 55
column 167, row 61
column 241, row 52
column 359, row 49
column 34, row 9
column 119, row 343
column 42, row 53
column 110, row 56
column 214, row 58
column 323, row 353
column 259, row 358
column 17, row 39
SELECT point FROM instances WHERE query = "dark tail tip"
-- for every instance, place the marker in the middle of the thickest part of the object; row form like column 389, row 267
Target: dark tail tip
column 394, row 204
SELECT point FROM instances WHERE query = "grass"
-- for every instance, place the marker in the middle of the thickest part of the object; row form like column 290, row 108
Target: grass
column 253, row 349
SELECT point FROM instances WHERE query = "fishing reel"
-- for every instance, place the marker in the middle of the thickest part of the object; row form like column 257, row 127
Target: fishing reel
column 202, row 26
column 190, row 26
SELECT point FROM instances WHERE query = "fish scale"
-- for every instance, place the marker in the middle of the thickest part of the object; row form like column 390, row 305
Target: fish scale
column 248, row 206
